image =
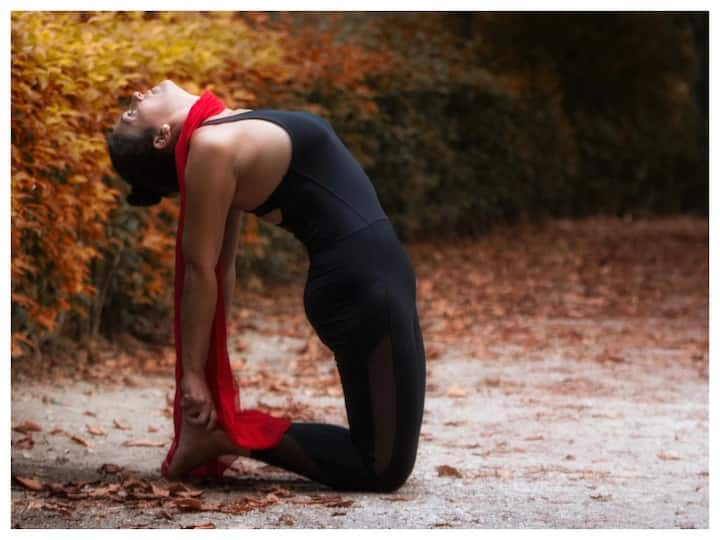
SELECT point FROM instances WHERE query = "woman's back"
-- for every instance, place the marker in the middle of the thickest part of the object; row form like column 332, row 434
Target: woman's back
column 325, row 194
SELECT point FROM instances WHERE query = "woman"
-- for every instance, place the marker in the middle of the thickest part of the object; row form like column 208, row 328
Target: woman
column 291, row 169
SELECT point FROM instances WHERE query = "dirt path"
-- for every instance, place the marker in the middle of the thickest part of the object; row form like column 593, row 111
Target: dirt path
column 605, row 425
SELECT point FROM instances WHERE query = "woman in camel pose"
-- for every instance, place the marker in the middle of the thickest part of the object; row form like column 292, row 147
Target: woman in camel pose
column 290, row 169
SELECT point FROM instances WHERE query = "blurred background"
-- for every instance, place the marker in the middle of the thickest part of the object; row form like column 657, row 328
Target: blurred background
column 465, row 122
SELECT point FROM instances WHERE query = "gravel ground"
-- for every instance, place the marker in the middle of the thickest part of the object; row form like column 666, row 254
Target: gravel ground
column 560, row 442
column 567, row 388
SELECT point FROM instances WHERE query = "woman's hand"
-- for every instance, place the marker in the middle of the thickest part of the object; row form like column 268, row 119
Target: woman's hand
column 198, row 406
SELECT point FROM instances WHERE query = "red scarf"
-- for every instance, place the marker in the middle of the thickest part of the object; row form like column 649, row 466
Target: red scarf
column 248, row 428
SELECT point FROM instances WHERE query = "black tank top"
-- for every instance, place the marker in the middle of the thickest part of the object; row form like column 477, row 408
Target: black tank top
column 325, row 194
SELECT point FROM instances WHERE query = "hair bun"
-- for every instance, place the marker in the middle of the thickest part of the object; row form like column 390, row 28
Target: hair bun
column 140, row 197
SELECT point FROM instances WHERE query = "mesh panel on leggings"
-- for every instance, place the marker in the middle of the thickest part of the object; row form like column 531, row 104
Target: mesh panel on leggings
column 382, row 399
column 327, row 453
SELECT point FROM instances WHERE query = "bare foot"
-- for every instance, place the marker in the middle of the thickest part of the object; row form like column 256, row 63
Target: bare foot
column 197, row 446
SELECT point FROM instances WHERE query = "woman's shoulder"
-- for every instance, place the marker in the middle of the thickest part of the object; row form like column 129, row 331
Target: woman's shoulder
column 213, row 148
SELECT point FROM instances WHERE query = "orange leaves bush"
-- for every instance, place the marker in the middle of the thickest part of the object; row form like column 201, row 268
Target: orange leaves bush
column 74, row 241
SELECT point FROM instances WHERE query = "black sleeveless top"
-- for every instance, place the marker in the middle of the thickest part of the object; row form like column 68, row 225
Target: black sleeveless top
column 325, row 194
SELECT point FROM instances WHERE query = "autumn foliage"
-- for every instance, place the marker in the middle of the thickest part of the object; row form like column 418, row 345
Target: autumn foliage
column 462, row 120
column 80, row 255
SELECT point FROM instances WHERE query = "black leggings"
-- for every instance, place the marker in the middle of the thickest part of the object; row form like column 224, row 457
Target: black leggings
column 360, row 298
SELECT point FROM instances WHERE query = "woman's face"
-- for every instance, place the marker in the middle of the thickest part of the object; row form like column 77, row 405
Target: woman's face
column 151, row 109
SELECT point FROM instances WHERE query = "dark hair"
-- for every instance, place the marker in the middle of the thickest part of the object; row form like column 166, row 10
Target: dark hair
column 149, row 171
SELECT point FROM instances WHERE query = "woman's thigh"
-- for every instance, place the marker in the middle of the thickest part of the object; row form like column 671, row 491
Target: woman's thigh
column 384, row 385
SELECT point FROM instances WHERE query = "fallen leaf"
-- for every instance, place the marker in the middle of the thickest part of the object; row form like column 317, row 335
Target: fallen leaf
column 80, row 440
column 102, row 491
column 504, row 473
column 131, row 382
column 89, row 413
column 160, row 492
column 187, row 504
column 206, row 525
column 189, row 493
column 109, row 468
column 535, row 438
column 144, row 442
column 30, row 483
column 238, row 364
column 56, row 487
column 432, row 352
column 331, row 501
column 95, row 430
column 456, row 390
column 447, row 470
column 152, row 428
column 668, row 457
column 334, row 391
column 174, row 487
column 282, row 492
column 63, row 508
column 134, row 482
column 340, row 503
column 398, row 498
column 27, row 426
column 120, row 425
column 25, row 442
column 286, row 520
column 609, row 356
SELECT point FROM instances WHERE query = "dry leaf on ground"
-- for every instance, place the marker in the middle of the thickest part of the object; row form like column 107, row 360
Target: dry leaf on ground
column 120, row 424
column 456, row 390
column 95, row 430
column 188, row 504
column 29, row 483
column 27, row 426
column 144, row 442
column 205, row 525
column 447, row 470
column 80, row 440
column 25, row 442
column 109, row 468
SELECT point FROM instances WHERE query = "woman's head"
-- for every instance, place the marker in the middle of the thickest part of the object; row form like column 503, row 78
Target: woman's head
column 142, row 142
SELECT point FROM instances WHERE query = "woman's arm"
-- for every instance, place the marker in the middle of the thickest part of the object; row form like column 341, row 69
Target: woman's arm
column 227, row 257
column 209, row 192
column 209, row 189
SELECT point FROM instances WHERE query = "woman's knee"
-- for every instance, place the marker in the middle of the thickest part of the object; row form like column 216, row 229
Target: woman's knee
column 395, row 475
column 389, row 482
